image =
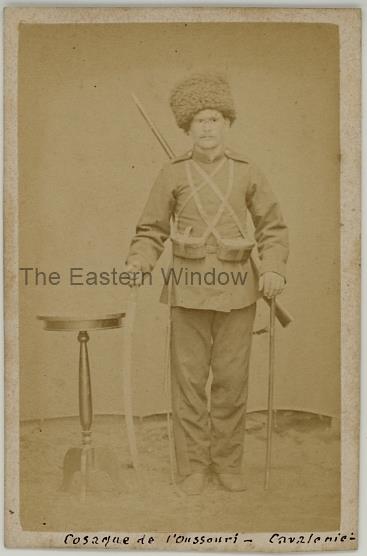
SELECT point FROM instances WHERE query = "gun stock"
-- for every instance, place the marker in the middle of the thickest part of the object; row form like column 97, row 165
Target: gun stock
column 281, row 313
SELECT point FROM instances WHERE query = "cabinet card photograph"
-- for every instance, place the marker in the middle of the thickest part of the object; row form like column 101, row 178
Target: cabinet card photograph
column 182, row 260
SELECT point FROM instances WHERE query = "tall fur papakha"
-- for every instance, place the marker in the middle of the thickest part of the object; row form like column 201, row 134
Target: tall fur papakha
column 200, row 92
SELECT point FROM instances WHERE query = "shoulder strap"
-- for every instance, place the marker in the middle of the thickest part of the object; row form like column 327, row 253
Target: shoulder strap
column 224, row 199
column 210, row 223
column 196, row 189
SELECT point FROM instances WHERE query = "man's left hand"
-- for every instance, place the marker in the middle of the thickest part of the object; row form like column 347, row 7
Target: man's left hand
column 271, row 284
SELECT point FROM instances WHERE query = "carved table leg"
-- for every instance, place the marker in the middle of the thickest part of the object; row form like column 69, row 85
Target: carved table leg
column 85, row 409
column 86, row 457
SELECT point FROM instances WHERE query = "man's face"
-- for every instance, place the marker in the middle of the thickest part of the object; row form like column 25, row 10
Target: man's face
column 208, row 129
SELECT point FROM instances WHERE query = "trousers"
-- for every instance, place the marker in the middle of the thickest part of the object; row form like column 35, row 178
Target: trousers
column 221, row 341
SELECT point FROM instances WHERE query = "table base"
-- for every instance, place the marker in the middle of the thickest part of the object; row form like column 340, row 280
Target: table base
column 86, row 459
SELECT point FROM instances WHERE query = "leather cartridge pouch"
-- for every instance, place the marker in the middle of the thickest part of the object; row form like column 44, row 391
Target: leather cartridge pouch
column 188, row 247
column 235, row 250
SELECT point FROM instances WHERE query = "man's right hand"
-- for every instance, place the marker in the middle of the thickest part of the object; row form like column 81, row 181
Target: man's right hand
column 135, row 274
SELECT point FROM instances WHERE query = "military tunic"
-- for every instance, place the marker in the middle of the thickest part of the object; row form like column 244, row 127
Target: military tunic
column 250, row 193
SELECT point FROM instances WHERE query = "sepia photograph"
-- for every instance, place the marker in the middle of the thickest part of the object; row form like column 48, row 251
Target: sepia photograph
column 182, row 259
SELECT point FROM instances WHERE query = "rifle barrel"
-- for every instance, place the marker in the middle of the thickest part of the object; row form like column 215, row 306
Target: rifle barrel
column 153, row 128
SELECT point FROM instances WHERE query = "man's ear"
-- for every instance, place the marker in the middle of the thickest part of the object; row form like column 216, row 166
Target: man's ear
column 227, row 122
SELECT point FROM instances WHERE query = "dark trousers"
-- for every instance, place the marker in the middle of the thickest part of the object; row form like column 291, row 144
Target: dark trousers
column 200, row 340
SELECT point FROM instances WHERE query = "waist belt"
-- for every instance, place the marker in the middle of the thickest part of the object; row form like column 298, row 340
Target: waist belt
column 225, row 251
column 211, row 248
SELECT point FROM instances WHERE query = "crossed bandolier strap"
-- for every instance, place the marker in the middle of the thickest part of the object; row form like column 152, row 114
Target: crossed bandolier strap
column 224, row 198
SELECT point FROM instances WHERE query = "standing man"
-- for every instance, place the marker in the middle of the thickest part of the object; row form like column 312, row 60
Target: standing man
column 201, row 201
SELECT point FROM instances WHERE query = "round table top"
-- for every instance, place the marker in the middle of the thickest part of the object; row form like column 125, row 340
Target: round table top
column 81, row 322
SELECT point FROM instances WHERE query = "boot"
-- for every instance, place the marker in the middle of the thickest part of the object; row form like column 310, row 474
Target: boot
column 232, row 482
column 194, row 484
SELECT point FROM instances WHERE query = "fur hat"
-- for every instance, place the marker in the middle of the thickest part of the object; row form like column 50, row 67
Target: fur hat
column 200, row 92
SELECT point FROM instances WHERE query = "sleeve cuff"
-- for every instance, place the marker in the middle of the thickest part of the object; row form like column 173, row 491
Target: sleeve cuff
column 273, row 266
column 140, row 262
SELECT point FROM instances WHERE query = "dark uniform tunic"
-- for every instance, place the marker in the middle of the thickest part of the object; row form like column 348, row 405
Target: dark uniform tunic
column 211, row 322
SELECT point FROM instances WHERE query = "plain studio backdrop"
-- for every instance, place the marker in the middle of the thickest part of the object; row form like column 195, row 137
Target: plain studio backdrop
column 87, row 161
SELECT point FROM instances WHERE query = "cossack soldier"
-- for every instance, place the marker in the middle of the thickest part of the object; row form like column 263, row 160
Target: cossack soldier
column 201, row 201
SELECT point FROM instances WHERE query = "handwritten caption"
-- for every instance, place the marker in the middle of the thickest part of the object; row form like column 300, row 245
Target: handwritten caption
column 191, row 540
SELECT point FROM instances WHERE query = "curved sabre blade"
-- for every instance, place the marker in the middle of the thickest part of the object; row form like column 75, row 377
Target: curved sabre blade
column 127, row 376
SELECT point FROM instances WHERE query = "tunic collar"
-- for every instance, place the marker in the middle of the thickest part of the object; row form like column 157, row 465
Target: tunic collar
column 198, row 156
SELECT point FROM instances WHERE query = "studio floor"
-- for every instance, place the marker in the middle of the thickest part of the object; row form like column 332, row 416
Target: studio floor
column 304, row 492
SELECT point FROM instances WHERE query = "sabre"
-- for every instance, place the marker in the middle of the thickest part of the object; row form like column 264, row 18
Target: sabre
column 269, row 432
column 283, row 316
column 127, row 371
